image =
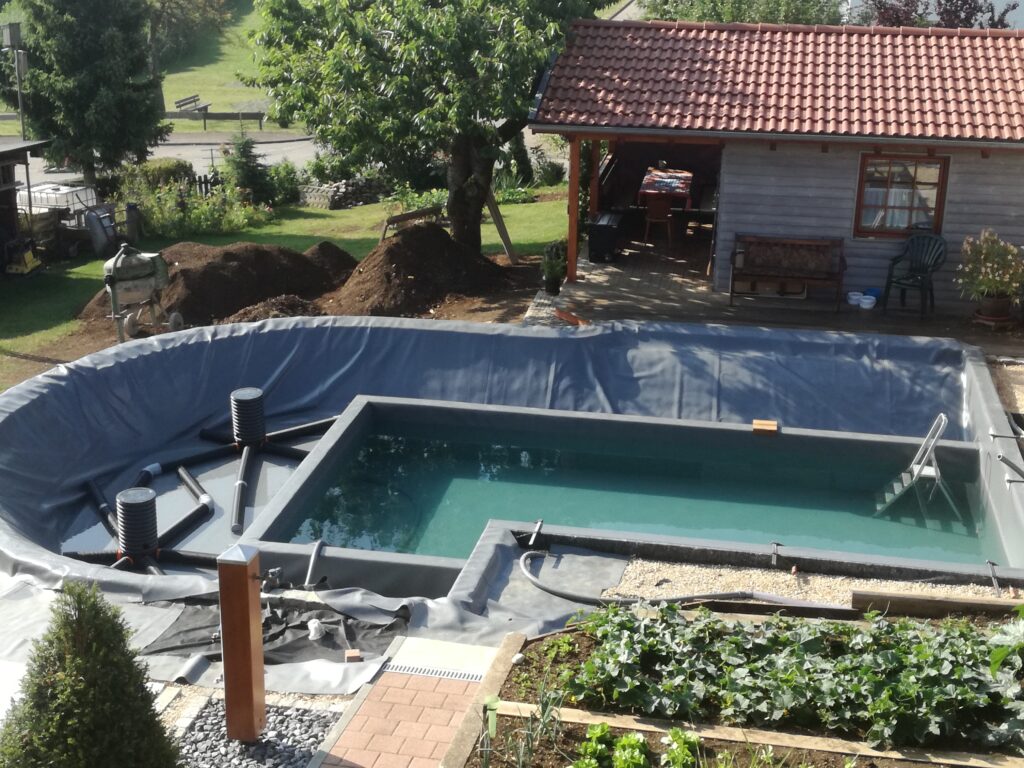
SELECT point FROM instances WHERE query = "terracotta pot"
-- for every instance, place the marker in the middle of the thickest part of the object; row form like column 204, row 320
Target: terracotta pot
column 995, row 307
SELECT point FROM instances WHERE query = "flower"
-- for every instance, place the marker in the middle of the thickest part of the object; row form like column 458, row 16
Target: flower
column 990, row 267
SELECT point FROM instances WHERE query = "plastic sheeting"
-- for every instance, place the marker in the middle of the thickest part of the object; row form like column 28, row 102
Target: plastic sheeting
column 145, row 400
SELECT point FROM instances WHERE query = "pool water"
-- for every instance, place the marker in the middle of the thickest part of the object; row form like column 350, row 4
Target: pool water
column 433, row 496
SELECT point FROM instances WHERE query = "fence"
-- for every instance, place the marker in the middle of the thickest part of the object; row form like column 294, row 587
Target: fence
column 204, row 116
column 205, row 185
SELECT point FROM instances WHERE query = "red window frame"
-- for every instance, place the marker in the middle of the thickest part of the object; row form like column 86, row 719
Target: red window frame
column 867, row 160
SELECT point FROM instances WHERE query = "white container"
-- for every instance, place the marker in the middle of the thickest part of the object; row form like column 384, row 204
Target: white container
column 867, row 302
column 854, row 297
column 49, row 195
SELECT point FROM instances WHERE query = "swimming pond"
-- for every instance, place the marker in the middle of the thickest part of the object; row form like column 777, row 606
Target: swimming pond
column 413, row 481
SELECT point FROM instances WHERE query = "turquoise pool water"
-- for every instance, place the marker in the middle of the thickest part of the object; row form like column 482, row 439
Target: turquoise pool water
column 434, row 496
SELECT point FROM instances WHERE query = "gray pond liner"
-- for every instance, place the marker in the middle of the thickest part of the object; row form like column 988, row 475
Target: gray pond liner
column 110, row 414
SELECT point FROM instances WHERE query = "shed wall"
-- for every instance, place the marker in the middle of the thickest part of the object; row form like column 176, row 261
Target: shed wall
column 798, row 190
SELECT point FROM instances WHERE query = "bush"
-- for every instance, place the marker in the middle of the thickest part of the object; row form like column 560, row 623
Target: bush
column 177, row 211
column 84, row 697
column 405, row 198
column 285, row 180
column 246, row 170
column 547, row 172
column 329, row 168
column 160, row 171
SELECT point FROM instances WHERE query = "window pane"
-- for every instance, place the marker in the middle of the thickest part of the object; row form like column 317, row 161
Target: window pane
column 901, row 196
column 871, row 218
column 901, row 174
column 897, row 219
column 927, row 198
column 928, row 173
column 922, row 219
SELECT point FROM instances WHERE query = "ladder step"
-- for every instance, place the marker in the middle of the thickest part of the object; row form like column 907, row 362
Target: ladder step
column 906, row 477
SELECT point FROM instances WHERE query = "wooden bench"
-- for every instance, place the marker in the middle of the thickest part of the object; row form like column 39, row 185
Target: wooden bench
column 434, row 213
column 191, row 104
column 784, row 261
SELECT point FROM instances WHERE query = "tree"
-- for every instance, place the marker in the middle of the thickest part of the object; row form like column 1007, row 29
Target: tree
column 84, row 697
column 895, row 13
column 88, row 86
column 748, row 11
column 390, row 80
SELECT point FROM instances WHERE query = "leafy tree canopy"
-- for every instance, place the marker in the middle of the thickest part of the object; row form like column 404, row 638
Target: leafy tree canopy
column 87, row 86
column 393, row 81
column 749, row 11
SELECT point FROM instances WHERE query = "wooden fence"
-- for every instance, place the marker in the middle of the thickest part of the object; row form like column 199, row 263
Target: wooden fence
column 204, row 116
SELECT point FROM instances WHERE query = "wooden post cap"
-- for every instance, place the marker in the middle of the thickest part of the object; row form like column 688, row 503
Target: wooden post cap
column 239, row 554
column 765, row 426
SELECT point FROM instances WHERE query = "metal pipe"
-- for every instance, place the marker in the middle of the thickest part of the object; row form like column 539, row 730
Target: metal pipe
column 314, row 556
column 536, row 531
column 191, row 483
column 1011, row 464
column 286, row 451
column 124, row 562
column 300, row 430
column 151, row 566
column 241, row 485
column 107, row 516
column 176, row 532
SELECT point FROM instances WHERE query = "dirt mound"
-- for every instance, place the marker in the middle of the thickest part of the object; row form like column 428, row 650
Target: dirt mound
column 279, row 306
column 338, row 263
column 409, row 273
column 209, row 283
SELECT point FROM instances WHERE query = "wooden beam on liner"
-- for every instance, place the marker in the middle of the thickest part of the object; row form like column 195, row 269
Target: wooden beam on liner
column 922, row 606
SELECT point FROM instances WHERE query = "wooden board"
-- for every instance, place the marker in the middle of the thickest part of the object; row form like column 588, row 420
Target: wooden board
column 772, row 738
column 905, row 604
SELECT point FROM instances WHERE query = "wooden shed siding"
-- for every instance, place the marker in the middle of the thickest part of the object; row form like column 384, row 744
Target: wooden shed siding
column 798, row 190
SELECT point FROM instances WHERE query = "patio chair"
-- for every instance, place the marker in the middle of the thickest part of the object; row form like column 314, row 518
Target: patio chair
column 659, row 211
column 922, row 256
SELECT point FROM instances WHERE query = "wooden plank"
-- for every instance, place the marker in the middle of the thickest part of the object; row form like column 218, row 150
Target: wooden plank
column 765, row 426
column 772, row 738
column 499, row 224
column 241, row 621
column 574, row 210
column 927, row 606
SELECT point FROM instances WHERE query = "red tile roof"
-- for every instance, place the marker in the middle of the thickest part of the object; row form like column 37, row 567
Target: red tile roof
column 882, row 82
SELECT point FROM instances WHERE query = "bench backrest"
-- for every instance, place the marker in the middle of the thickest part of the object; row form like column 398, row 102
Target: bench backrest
column 187, row 101
column 794, row 254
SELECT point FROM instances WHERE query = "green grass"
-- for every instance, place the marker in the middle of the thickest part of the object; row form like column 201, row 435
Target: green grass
column 40, row 308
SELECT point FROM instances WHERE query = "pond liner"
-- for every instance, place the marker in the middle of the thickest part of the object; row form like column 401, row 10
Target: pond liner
column 88, row 418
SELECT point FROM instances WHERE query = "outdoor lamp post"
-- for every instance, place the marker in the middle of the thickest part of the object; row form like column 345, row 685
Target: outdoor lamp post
column 10, row 34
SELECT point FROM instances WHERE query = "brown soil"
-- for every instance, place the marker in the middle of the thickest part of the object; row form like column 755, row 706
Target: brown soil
column 209, row 283
column 279, row 306
column 337, row 262
column 411, row 272
column 727, row 754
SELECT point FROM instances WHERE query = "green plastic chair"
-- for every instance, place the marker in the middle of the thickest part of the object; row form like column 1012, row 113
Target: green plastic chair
column 922, row 256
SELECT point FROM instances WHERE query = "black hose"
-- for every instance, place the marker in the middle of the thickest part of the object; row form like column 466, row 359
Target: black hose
column 103, row 557
column 145, row 476
column 176, row 532
column 285, row 451
column 241, row 486
column 107, row 516
column 179, row 557
column 301, row 430
column 763, row 597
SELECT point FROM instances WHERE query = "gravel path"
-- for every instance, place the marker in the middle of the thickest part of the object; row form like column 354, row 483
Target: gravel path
column 655, row 580
column 290, row 739
column 1009, row 381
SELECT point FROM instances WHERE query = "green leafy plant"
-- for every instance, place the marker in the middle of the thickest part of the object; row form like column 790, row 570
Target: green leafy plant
column 178, row 210
column 1008, row 645
column 246, row 170
column 84, row 697
column 682, row 748
column 558, row 647
column 990, row 268
column 630, row 751
column 284, row 181
column 553, row 262
column 405, row 199
column 546, row 172
column 890, row 682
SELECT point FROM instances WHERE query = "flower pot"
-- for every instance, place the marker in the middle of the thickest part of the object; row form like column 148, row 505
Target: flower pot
column 552, row 285
column 995, row 307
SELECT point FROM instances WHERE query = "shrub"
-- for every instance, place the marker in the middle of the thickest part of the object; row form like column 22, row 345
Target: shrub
column 245, row 169
column 329, row 168
column 991, row 267
column 284, row 178
column 405, row 198
column 160, row 171
column 547, row 172
column 177, row 211
column 84, row 697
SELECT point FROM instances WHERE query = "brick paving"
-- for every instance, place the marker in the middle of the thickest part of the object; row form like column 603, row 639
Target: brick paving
column 406, row 721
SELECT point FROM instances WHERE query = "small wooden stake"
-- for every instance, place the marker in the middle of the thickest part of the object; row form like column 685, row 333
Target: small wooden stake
column 241, row 632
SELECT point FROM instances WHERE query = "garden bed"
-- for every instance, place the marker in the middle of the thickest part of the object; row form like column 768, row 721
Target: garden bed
column 890, row 684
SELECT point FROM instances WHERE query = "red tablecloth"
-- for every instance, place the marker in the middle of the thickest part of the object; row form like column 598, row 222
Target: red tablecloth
column 667, row 181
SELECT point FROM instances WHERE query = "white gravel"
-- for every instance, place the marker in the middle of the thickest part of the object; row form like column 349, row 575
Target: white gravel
column 654, row 580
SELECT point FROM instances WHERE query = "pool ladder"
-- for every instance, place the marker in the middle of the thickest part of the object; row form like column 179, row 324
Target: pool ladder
column 922, row 467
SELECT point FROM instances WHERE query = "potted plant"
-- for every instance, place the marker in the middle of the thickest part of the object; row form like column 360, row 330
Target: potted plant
column 991, row 273
column 552, row 266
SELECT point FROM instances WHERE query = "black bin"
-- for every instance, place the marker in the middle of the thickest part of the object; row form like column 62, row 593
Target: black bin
column 603, row 233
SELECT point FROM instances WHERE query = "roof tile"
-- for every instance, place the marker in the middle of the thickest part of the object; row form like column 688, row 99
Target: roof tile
column 763, row 78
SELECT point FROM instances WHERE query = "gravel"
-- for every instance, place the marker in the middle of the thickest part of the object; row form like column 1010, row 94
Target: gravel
column 655, row 580
column 1009, row 381
column 290, row 739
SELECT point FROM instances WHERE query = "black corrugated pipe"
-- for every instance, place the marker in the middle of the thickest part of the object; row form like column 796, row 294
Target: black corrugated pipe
column 176, row 532
column 102, row 557
column 107, row 516
column 248, row 423
column 136, row 522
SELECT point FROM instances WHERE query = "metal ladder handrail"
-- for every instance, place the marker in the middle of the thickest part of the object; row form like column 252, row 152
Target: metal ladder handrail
column 925, row 455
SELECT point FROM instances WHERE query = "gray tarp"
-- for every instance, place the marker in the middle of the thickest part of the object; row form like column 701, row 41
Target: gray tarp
column 145, row 400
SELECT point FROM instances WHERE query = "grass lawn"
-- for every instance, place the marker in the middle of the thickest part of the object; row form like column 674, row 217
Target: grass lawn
column 40, row 309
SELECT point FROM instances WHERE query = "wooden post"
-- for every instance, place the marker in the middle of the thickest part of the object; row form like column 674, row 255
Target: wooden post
column 595, row 176
column 241, row 636
column 499, row 224
column 574, row 209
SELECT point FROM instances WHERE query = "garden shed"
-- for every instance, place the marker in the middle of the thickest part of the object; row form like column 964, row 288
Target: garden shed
column 865, row 134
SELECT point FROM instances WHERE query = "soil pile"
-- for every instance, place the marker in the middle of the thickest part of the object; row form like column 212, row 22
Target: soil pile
column 208, row 283
column 279, row 306
column 337, row 262
column 411, row 272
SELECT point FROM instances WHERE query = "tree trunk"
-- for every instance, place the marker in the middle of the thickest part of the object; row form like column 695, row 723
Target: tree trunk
column 154, row 61
column 89, row 174
column 470, row 170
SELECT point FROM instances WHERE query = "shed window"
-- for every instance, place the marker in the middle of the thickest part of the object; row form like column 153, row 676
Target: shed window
column 897, row 194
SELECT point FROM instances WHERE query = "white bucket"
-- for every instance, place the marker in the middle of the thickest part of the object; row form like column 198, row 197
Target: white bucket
column 854, row 297
column 867, row 302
